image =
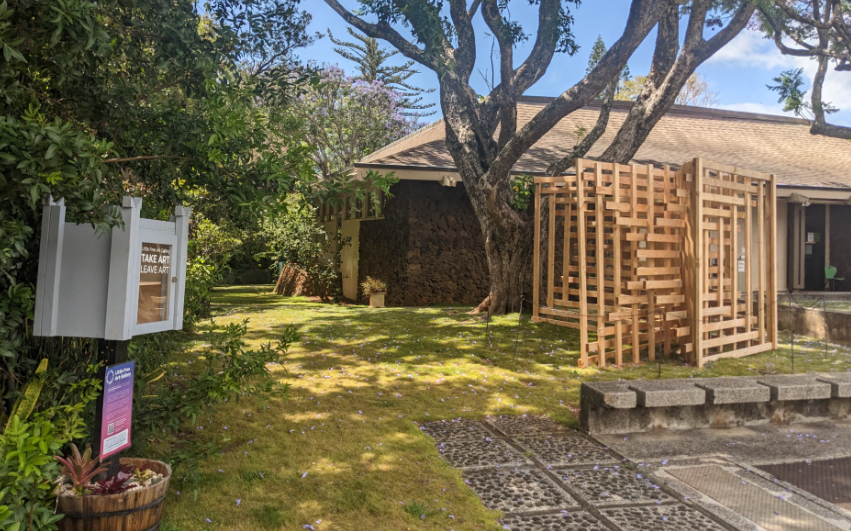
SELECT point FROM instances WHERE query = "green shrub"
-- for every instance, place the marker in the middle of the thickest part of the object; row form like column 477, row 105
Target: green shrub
column 27, row 447
column 297, row 237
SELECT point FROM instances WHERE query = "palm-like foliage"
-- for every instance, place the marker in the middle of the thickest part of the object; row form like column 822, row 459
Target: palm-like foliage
column 80, row 469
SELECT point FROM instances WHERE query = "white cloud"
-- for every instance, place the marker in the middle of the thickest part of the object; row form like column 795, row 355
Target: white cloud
column 749, row 49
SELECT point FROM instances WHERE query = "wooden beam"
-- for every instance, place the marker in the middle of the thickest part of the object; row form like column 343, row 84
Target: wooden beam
column 536, row 259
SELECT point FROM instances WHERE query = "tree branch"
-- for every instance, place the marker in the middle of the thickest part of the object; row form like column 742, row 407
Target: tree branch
column 587, row 142
column 820, row 125
column 382, row 30
column 542, row 52
column 642, row 17
column 145, row 157
column 465, row 52
column 660, row 94
column 506, row 97
column 725, row 35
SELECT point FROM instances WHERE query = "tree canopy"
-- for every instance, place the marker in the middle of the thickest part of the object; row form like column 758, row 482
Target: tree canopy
column 440, row 36
column 344, row 118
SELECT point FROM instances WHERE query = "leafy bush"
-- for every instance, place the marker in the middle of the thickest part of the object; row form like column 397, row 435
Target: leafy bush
column 27, row 447
column 202, row 276
column 297, row 237
column 211, row 241
column 372, row 286
column 522, row 185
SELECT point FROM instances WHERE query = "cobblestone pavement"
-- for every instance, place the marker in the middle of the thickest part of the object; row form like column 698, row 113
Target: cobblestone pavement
column 545, row 477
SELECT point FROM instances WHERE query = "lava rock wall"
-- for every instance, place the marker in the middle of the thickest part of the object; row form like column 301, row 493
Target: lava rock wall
column 428, row 248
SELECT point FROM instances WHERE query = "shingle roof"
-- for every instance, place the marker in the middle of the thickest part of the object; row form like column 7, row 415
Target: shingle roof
column 771, row 144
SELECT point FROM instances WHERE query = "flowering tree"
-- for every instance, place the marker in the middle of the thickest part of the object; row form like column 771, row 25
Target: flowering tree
column 344, row 118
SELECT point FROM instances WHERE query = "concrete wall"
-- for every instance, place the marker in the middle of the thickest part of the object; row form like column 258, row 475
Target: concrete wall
column 349, row 257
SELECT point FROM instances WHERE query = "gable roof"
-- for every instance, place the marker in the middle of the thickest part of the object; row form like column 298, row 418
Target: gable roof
column 771, row 144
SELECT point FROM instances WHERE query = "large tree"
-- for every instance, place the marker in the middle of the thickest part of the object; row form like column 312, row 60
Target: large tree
column 442, row 38
column 817, row 29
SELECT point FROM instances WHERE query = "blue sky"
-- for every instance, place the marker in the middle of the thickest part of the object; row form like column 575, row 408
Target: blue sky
column 738, row 73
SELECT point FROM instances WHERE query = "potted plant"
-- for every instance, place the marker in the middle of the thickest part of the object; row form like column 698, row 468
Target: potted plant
column 131, row 500
column 375, row 290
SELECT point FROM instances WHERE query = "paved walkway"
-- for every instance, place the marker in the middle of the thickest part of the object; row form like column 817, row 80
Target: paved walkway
column 545, row 477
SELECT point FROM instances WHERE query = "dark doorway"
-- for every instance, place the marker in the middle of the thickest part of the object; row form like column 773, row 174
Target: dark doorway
column 814, row 244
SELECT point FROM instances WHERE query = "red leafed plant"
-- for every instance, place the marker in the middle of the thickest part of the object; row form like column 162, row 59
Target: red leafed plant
column 114, row 484
column 80, row 469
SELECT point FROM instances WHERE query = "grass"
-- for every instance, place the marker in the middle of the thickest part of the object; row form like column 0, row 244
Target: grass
column 345, row 452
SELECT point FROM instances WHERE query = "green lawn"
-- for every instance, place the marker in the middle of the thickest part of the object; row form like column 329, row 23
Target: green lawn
column 345, row 452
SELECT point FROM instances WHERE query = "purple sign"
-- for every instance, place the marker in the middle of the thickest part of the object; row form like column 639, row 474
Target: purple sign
column 117, row 409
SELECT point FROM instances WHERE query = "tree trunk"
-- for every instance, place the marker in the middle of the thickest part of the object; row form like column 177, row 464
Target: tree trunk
column 509, row 255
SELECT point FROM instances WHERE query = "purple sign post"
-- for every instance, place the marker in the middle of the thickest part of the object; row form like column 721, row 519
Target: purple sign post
column 117, row 412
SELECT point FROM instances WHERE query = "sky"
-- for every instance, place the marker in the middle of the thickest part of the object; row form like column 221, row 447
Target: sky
column 739, row 72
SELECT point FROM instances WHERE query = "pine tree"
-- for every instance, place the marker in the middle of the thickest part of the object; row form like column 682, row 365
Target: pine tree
column 597, row 53
column 371, row 60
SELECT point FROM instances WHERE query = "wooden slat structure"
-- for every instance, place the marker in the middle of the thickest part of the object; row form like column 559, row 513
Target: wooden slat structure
column 350, row 206
column 643, row 260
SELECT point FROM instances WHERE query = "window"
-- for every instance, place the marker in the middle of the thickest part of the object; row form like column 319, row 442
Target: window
column 154, row 283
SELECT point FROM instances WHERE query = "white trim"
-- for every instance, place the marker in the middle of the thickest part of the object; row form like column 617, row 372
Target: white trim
column 46, row 316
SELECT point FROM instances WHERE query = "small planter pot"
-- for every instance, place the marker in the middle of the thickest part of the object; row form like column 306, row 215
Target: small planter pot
column 376, row 300
column 139, row 510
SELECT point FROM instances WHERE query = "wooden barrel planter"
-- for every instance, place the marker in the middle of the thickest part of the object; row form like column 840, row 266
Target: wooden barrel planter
column 139, row 510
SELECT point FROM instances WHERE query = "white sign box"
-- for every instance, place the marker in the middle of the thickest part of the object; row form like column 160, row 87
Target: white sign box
column 117, row 285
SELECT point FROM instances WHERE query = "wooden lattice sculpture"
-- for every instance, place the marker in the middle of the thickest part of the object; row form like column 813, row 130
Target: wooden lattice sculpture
column 625, row 264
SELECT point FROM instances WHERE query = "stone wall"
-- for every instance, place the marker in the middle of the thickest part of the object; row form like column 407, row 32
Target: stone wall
column 428, row 248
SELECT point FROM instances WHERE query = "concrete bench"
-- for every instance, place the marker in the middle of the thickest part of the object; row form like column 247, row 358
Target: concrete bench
column 689, row 403
column 796, row 387
column 734, row 390
column 840, row 383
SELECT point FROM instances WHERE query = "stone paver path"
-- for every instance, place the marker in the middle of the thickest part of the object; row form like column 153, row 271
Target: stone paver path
column 545, row 477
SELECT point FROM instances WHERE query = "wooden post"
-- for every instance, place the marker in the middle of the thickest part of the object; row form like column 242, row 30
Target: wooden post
column 666, row 198
column 583, row 266
column 565, row 255
column 633, row 199
column 772, row 258
column 748, row 259
column 551, row 247
column 616, row 244
column 110, row 352
column 699, row 262
column 761, row 212
column 734, row 259
column 536, row 259
column 651, row 294
column 599, row 257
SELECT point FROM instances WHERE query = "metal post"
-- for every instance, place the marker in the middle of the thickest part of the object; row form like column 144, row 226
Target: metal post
column 110, row 352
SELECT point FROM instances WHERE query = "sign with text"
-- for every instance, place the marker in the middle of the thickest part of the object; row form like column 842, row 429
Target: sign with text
column 154, row 283
column 117, row 412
